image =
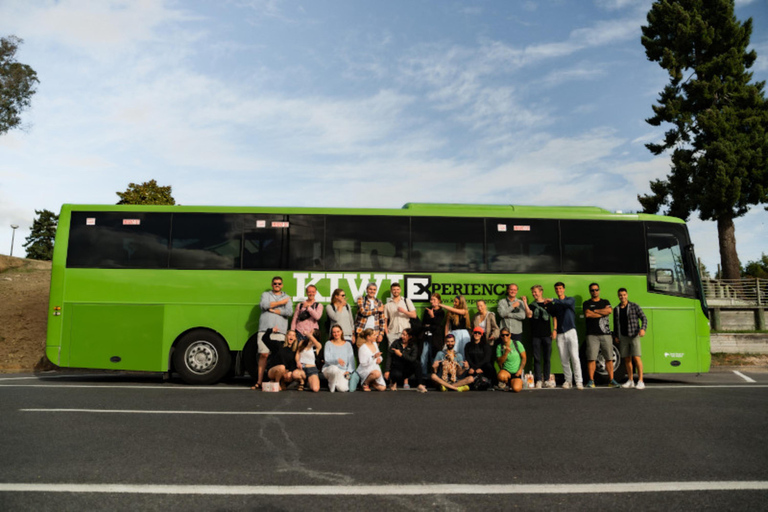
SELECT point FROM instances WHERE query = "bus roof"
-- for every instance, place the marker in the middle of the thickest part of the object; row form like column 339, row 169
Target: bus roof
column 409, row 209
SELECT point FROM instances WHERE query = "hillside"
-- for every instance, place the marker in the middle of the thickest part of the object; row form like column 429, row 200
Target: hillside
column 24, row 287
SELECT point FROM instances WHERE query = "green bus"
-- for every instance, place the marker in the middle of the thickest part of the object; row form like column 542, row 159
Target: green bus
column 176, row 288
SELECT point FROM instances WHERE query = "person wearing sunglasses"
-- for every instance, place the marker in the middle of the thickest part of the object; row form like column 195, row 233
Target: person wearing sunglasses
column 276, row 309
column 597, row 312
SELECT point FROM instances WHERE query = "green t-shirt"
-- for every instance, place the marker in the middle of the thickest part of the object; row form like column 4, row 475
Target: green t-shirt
column 512, row 364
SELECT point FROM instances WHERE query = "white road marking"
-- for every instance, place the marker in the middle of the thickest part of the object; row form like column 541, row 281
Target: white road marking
column 214, row 413
column 744, row 376
column 388, row 490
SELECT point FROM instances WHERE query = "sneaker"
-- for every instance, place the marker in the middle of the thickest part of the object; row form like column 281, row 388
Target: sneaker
column 406, row 386
column 462, row 389
column 538, row 384
column 579, row 385
column 614, row 384
column 591, row 384
column 442, row 388
column 640, row 385
column 567, row 385
column 549, row 384
column 629, row 384
column 501, row 386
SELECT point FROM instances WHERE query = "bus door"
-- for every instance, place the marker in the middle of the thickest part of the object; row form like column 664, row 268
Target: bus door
column 672, row 315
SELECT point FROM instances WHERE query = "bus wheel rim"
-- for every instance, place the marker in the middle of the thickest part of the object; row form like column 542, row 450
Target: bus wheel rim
column 201, row 357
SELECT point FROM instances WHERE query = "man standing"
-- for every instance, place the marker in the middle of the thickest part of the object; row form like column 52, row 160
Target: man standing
column 276, row 309
column 510, row 356
column 397, row 314
column 627, row 318
column 512, row 312
column 596, row 312
column 370, row 313
column 540, row 314
column 565, row 333
column 450, row 367
column 397, row 317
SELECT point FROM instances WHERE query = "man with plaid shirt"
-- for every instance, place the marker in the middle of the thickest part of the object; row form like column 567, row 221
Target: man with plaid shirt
column 627, row 331
column 370, row 313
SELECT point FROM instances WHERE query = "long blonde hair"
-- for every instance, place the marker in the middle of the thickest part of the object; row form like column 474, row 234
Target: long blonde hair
column 453, row 318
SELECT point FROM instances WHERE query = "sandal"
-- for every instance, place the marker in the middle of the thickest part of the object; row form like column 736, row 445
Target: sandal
column 301, row 387
column 366, row 387
column 256, row 386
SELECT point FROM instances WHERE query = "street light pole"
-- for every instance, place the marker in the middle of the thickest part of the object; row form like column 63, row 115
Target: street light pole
column 13, row 236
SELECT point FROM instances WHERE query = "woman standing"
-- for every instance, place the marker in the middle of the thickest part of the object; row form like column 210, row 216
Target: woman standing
column 339, row 313
column 487, row 321
column 369, row 359
column 339, row 361
column 432, row 325
column 458, row 322
column 307, row 314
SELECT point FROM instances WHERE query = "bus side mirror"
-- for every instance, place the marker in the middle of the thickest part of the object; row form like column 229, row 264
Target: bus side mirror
column 664, row 276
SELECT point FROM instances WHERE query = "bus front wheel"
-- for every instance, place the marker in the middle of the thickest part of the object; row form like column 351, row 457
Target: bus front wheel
column 201, row 357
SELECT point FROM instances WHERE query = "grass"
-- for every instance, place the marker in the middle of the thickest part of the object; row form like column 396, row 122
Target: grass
column 724, row 359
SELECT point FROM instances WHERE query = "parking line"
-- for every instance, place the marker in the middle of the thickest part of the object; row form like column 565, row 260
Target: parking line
column 744, row 377
column 213, row 413
column 388, row 490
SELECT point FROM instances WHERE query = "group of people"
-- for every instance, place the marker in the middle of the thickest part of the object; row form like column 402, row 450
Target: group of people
column 447, row 346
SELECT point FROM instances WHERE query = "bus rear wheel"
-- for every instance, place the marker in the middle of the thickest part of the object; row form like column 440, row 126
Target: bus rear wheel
column 201, row 357
column 619, row 372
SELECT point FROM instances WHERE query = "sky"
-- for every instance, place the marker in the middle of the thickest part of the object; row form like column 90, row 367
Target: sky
column 352, row 103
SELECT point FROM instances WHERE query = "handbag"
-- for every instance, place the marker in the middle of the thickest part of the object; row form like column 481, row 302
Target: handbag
column 416, row 325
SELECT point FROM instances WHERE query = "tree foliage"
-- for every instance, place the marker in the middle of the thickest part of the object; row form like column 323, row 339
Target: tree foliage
column 757, row 268
column 148, row 192
column 39, row 243
column 719, row 119
column 18, row 83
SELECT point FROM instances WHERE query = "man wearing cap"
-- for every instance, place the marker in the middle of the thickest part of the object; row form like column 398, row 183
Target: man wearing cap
column 450, row 368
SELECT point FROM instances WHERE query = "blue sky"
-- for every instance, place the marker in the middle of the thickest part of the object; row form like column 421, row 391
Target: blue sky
column 343, row 103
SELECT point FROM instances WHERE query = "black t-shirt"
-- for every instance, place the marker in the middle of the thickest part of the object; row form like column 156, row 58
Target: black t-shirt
column 541, row 323
column 597, row 326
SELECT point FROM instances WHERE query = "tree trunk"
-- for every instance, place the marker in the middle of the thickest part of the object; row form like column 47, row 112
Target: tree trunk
column 726, row 233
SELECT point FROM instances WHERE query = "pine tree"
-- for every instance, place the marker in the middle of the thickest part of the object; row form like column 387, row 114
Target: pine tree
column 148, row 192
column 39, row 243
column 718, row 139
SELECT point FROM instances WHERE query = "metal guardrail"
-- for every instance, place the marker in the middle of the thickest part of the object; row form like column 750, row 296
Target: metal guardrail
column 736, row 292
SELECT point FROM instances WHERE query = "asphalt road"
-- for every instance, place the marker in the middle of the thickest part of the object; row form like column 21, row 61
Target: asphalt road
column 126, row 442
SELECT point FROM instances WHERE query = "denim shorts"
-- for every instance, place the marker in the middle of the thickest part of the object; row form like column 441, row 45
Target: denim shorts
column 310, row 370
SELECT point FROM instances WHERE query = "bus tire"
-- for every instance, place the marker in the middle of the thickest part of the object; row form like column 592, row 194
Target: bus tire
column 619, row 371
column 201, row 357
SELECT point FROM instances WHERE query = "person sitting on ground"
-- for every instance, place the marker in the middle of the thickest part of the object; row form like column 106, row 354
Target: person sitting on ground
column 369, row 359
column 479, row 357
column 281, row 363
column 450, row 368
column 404, row 354
column 511, row 359
column 306, row 362
column 339, row 361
